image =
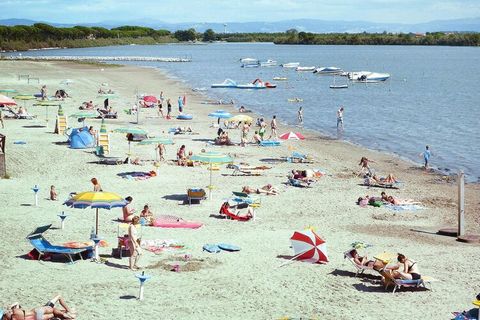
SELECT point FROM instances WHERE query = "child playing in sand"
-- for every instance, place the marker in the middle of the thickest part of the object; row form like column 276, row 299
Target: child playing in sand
column 147, row 215
column 53, row 193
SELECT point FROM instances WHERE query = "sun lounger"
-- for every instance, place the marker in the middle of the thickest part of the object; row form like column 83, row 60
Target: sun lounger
column 299, row 158
column 389, row 280
column 195, row 194
column 107, row 160
column 360, row 269
column 104, row 114
column 42, row 246
column 238, row 171
column 242, row 197
column 232, row 216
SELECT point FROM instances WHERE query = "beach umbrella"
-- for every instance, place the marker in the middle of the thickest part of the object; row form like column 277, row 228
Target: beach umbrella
column 308, row 246
column 241, row 118
column 96, row 200
column 211, row 158
column 107, row 95
column 292, row 136
column 47, row 104
column 6, row 91
column 151, row 99
column 83, row 115
column 220, row 114
column 131, row 130
column 7, row 101
column 156, row 140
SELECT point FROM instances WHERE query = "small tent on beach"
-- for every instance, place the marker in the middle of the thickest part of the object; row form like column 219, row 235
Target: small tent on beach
column 80, row 138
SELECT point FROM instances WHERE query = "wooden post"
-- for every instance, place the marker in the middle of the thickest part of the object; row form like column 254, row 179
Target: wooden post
column 461, row 203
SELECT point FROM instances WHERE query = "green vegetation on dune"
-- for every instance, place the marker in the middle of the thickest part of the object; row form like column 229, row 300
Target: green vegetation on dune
column 41, row 35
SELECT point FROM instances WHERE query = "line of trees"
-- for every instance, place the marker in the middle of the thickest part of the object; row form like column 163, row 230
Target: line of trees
column 41, row 35
column 292, row 36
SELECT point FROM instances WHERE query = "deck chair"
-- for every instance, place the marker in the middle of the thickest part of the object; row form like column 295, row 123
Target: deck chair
column 232, row 216
column 389, row 280
column 360, row 269
column 122, row 237
column 238, row 171
column 43, row 246
column 242, row 197
column 103, row 114
column 195, row 194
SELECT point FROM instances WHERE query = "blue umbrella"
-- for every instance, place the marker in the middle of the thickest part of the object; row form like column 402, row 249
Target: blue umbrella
column 220, row 114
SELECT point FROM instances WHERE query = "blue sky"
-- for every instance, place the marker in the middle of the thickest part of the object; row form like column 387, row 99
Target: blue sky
column 73, row 11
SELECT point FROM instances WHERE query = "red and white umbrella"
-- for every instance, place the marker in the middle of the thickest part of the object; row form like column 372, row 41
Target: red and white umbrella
column 7, row 101
column 151, row 99
column 308, row 246
column 292, row 136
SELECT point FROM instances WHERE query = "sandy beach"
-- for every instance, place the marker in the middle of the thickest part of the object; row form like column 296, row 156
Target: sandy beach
column 248, row 284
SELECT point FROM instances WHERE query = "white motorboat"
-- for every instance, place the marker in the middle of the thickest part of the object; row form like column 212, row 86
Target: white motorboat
column 305, row 69
column 290, row 65
column 248, row 60
column 268, row 63
column 328, row 70
column 367, row 76
column 251, row 65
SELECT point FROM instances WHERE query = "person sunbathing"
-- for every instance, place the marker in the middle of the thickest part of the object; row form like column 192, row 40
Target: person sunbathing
column 48, row 311
column 128, row 213
column 384, row 181
column 301, row 175
column 147, row 215
column 226, row 209
column 406, row 269
column 267, row 189
column 364, row 261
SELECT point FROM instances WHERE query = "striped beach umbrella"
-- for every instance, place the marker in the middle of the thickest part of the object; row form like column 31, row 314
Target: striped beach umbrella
column 96, row 200
column 7, row 101
column 292, row 136
column 103, row 126
column 211, row 158
column 60, row 111
column 308, row 246
column 47, row 104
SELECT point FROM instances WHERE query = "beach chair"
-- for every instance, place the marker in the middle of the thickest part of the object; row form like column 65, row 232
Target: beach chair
column 238, row 171
column 242, row 197
column 359, row 269
column 195, row 194
column 297, row 157
column 122, row 239
column 232, row 216
column 388, row 281
column 43, row 246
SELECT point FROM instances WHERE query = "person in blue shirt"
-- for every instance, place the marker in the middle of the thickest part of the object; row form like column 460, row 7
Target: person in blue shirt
column 180, row 104
column 426, row 156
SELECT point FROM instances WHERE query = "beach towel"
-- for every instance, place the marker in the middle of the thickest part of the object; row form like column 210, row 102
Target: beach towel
column 158, row 246
column 211, row 248
column 404, row 207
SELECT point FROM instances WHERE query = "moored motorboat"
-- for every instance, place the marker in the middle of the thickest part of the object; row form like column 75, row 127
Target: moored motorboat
column 328, row 70
column 305, row 69
column 248, row 60
column 367, row 76
column 290, row 65
column 268, row 63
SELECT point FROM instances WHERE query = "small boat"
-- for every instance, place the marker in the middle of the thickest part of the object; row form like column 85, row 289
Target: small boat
column 280, row 78
column 249, row 60
column 290, row 65
column 305, row 69
column 328, row 70
column 257, row 84
column 295, row 100
column 199, row 89
column 368, row 77
column 268, row 63
column 250, row 65
column 227, row 83
column 340, row 86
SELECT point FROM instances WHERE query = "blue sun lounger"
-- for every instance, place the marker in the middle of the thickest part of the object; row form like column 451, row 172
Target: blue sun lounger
column 43, row 246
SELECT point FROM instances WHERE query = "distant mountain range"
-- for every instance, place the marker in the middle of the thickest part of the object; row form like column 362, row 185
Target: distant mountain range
column 307, row 25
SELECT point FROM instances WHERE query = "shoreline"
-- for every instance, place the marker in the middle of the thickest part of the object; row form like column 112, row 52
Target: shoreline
column 469, row 179
column 261, row 289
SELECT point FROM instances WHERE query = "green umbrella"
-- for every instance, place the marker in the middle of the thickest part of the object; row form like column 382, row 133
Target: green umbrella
column 24, row 97
column 47, row 104
column 8, row 90
column 107, row 95
column 83, row 115
column 211, row 158
column 131, row 130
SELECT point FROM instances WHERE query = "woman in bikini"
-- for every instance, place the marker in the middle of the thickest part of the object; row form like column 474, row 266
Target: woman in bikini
column 363, row 261
column 406, row 269
column 48, row 311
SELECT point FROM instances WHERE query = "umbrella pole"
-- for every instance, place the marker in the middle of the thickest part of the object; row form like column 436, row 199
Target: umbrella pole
column 210, row 187
column 129, row 148
column 292, row 259
column 96, row 224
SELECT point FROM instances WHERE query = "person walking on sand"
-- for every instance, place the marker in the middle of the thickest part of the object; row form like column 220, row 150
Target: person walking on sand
column 244, row 137
column 340, row 118
column 273, row 127
column 43, row 92
column 161, row 151
column 169, row 109
column 161, row 97
column 160, row 108
column 180, row 104
column 426, row 156
column 300, row 116
column 134, row 244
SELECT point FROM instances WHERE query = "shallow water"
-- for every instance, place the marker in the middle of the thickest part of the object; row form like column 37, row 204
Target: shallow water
column 432, row 97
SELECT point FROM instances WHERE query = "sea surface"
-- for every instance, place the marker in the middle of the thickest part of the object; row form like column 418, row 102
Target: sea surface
column 432, row 98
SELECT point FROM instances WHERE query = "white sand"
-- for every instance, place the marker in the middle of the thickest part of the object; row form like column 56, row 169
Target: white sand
column 243, row 285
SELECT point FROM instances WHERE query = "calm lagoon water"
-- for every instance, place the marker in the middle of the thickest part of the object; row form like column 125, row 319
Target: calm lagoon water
column 433, row 96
